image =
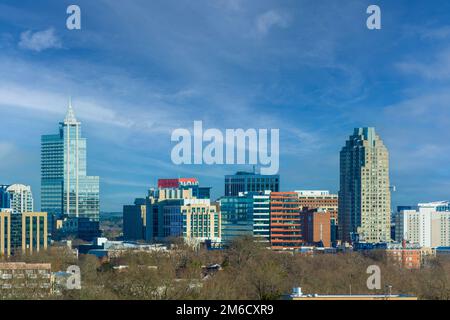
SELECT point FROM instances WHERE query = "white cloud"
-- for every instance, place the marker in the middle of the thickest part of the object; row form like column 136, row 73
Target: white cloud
column 437, row 69
column 40, row 40
column 270, row 19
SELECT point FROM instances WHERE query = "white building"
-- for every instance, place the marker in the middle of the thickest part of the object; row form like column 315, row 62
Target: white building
column 21, row 198
column 313, row 193
column 428, row 225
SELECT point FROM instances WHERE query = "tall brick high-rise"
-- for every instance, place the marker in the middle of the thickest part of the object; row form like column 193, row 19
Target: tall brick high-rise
column 286, row 221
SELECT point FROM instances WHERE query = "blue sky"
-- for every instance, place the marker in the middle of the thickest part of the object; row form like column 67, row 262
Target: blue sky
column 139, row 69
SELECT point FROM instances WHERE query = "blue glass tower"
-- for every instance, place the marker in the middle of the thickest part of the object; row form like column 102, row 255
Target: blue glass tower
column 5, row 198
column 66, row 189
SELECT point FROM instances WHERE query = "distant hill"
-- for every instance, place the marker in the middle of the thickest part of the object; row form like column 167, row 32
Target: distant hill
column 110, row 215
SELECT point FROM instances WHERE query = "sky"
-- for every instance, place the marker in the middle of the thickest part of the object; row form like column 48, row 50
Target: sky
column 139, row 69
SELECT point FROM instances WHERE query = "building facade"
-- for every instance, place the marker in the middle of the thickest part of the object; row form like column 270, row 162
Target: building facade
column 201, row 221
column 134, row 220
column 286, row 221
column 364, row 195
column 408, row 256
column 237, row 217
column 322, row 200
column 175, row 210
column 25, row 279
column 17, row 197
column 250, row 182
column 26, row 232
column 66, row 189
column 247, row 214
column 427, row 225
column 317, row 227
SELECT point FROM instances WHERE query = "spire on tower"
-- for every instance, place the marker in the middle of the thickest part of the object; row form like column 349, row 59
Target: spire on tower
column 70, row 115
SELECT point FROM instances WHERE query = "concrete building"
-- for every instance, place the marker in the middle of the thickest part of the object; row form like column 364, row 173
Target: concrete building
column 66, row 189
column 201, row 221
column 250, row 182
column 26, row 231
column 364, row 195
column 27, row 279
column 428, row 224
column 286, row 221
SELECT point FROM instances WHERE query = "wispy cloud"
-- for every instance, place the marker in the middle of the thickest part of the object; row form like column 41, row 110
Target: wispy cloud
column 440, row 33
column 437, row 69
column 270, row 19
column 39, row 40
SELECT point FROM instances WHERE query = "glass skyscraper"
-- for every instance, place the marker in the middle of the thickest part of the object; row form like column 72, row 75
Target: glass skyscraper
column 247, row 214
column 66, row 189
column 250, row 182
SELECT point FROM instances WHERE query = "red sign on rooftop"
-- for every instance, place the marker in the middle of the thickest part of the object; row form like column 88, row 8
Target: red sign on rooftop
column 176, row 183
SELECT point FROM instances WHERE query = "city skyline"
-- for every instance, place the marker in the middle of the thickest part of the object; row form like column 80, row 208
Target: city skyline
column 70, row 118
column 260, row 64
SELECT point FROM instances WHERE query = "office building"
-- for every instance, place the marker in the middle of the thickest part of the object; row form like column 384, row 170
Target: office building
column 317, row 227
column 26, row 231
column 286, row 221
column 5, row 232
column 322, row 200
column 250, row 182
column 427, row 225
column 66, row 189
column 17, row 197
column 319, row 199
column 261, row 216
column 364, row 195
column 134, row 220
column 171, row 211
column 201, row 221
column 237, row 217
column 247, row 214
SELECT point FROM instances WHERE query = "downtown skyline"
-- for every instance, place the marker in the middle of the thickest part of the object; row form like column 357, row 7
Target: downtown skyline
column 260, row 65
